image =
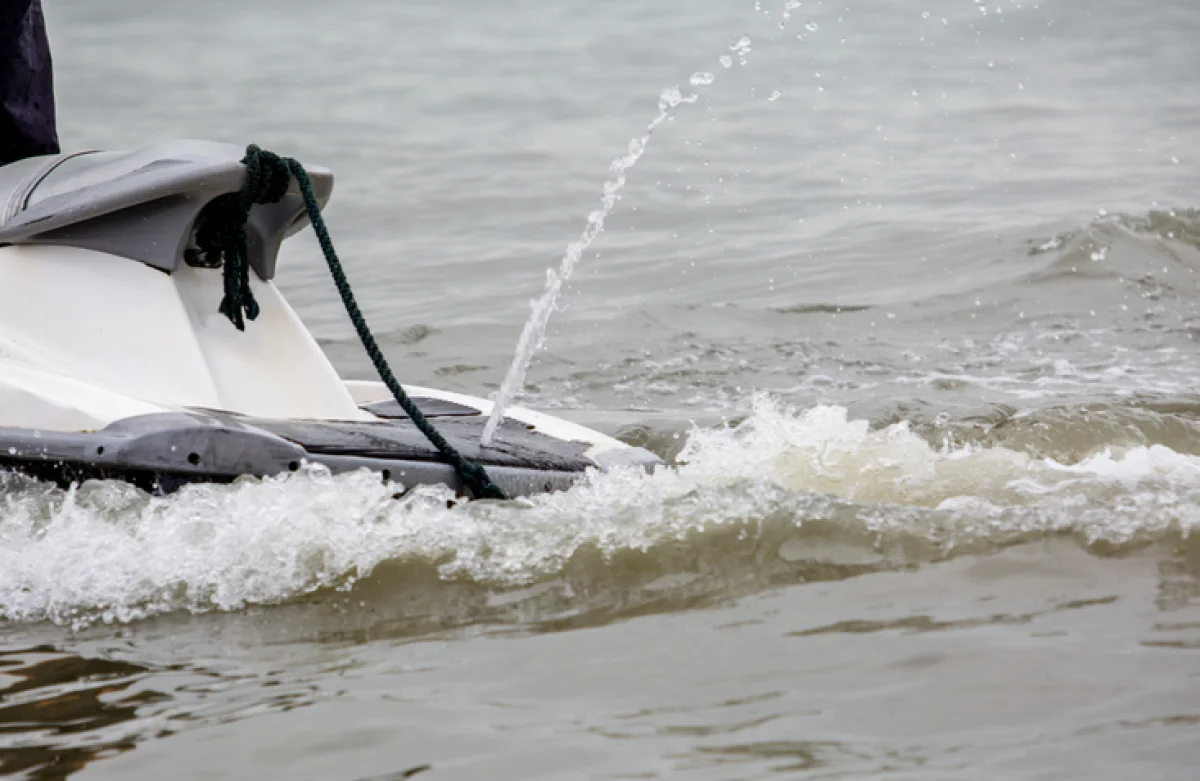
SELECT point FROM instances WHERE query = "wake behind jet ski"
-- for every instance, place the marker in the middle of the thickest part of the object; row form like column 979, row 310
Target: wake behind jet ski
column 142, row 338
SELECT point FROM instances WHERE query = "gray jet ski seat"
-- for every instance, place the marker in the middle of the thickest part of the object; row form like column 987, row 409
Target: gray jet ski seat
column 143, row 205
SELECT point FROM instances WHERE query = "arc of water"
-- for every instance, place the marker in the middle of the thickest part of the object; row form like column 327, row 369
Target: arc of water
column 535, row 327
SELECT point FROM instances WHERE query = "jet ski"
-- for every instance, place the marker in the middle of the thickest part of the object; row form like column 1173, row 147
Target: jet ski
column 116, row 363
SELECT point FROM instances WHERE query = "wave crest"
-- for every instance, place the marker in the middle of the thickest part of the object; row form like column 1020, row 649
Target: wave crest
column 783, row 495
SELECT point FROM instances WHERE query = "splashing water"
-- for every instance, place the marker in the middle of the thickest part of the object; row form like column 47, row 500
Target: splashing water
column 535, row 328
column 107, row 552
column 741, row 48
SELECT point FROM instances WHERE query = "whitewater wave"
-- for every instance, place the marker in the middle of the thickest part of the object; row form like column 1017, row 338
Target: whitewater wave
column 783, row 488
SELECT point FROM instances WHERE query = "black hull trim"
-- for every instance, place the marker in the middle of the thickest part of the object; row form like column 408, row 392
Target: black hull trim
column 405, row 474
column 162, row 452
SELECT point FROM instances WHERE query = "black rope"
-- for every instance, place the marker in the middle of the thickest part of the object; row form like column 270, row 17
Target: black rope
column 267, row 178
column 221, row 236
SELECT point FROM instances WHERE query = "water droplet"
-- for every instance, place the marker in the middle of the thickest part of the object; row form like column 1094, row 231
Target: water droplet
column 1020, row 85
column 811, row 27
column 924, row 14
column 701, row 78
column 776, row 95
column 1175, row 160
column 726, row 61
column 991, row 63
column 742, row 47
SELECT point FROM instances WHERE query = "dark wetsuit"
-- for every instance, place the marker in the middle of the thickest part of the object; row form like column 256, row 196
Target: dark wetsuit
column 27, row 125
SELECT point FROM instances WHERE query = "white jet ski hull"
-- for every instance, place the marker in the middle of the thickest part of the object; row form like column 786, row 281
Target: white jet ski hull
column 115, row 362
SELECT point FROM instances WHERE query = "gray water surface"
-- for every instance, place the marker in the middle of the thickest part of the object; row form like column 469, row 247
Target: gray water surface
column 909, row 299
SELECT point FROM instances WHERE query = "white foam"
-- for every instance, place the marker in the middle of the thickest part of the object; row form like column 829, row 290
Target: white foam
column 109, row 552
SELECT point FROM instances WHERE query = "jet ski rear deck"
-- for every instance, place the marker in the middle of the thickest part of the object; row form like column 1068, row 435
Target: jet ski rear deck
column 115, row 363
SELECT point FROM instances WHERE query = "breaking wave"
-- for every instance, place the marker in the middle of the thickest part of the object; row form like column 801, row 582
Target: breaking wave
column 785, row 495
